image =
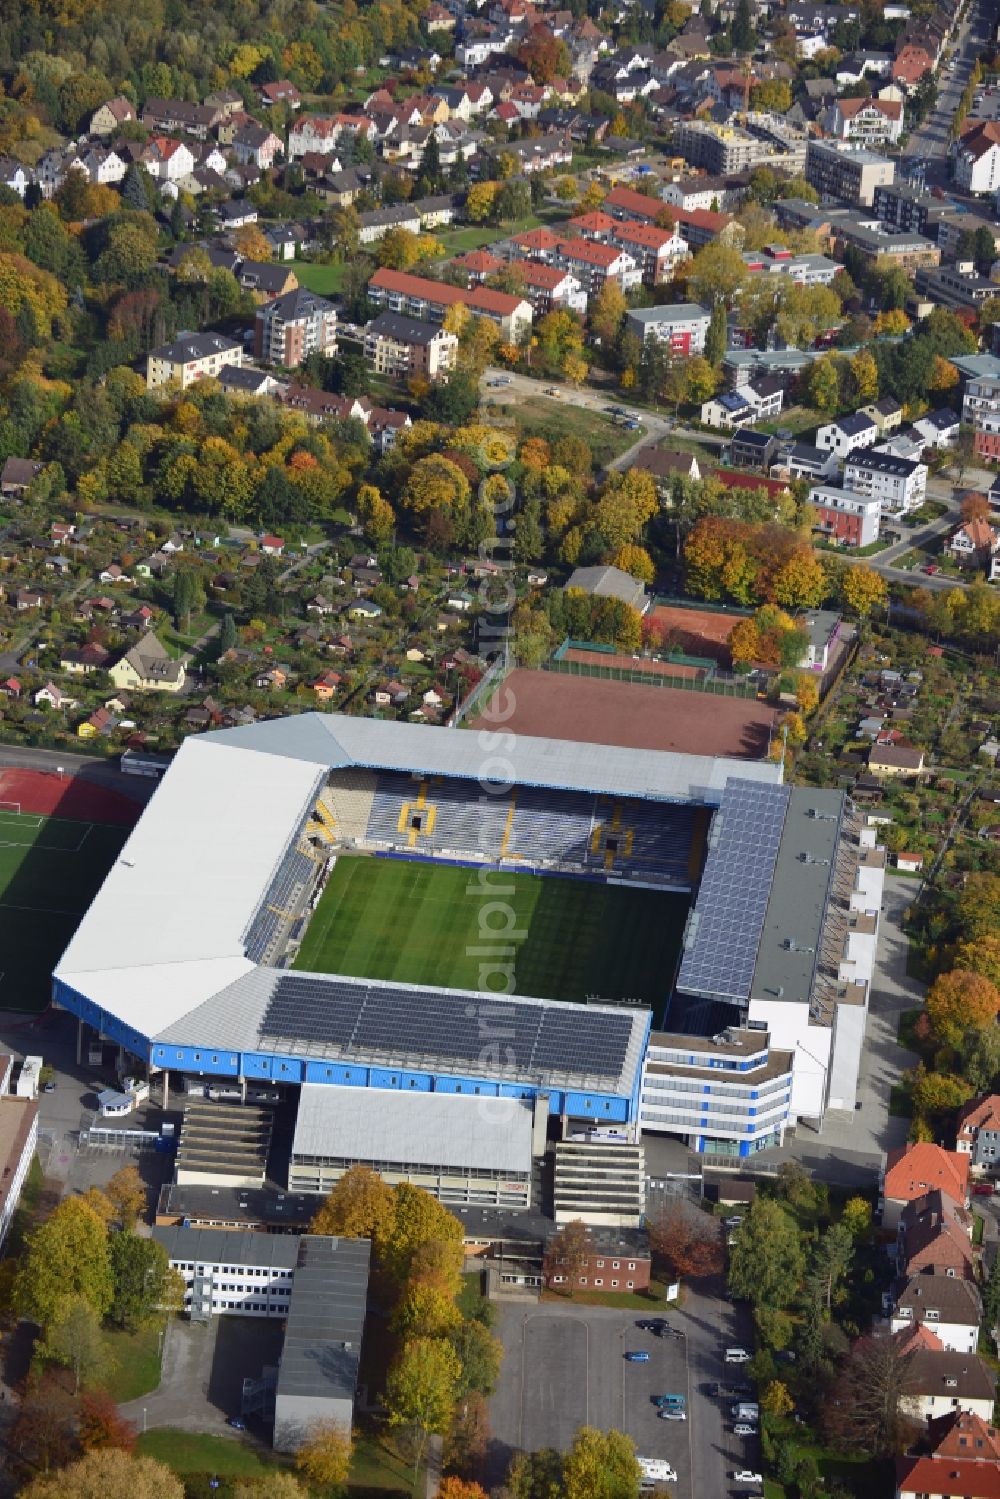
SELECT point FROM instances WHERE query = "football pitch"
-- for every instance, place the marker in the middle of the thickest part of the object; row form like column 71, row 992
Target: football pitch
column 50, row 870
column 444, row 926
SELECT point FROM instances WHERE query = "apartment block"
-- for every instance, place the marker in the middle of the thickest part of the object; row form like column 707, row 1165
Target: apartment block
column 294, row 326
column 847, row 171
column 898, row 484
column 843, row 516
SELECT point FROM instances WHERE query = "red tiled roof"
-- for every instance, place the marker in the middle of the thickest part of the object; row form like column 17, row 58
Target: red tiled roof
column 644, row 234
column 891, row 108
column 933, row 1475
column 478, row 260
column 535, row 239
column 976, row 1113
column 912, row 1170
column 544, row 277
column 964, row 1435
column 588, row 250
column 597, row 223
column 737, row 479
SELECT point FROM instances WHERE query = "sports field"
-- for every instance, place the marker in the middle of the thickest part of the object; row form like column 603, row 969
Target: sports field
column 50, row 870
column 439, row 925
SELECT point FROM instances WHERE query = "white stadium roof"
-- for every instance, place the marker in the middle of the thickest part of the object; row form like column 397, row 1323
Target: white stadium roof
column 162, row 947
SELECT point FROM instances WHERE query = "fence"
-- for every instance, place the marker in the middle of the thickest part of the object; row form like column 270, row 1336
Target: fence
column 674, row 658
column 701, row 606
column 480, row 693
column 722, row 684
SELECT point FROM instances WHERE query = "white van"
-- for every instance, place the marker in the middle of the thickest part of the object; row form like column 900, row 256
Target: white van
column 737, row 1356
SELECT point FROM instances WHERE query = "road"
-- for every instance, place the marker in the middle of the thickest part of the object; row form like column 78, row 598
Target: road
column 930, row 143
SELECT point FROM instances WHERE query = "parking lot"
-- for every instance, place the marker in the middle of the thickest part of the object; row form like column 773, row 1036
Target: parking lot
column 565, row 1367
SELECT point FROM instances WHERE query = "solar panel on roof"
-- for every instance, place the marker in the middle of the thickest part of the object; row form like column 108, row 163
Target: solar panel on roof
column 719, row 960
column 483, row 1035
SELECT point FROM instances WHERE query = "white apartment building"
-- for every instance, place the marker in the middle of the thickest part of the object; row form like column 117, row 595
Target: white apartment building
column 899, row 484
column 682, row 325
column 191, row 357
column 845, row 517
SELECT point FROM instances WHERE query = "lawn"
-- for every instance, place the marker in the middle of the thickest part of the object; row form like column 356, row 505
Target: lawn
column 134, row 1358
column 476, row 236
column 324, row 280
column 421, row 924
column 50, row 871
column 552, row 420
column 199, row 1452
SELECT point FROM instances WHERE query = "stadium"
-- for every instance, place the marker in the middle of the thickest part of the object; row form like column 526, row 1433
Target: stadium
column 336, row 901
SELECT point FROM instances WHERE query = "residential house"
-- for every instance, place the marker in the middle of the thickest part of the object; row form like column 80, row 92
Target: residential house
column 148, row 667
column 549, row 288
column 749, row 449
column 873, row 122
column 191, row 357
column 292, row 327
column 317, row 134
column 593, row 264
column 254, row 144
column 166, row 159
column 683, row 326
column 935, row 1238
column 978, row 1133
column 54, row 697
column 16, row 476
column 419, row 297
column 847, row 434
column 663, row 465
column 111, row 115
column 887, row 414
column 899, row 484
column 88, row 659
column 910, row 1171
column 976, row 157
column 964, row 1459
column 15, row 175
column 975, row 543
column 940, row 1381
column 950, row 1305
column 404, row 346
column 895, row 761
column 282, row 91
column 849, row 519
column 939, row 429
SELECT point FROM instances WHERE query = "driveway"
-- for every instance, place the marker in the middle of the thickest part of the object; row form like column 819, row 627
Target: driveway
column 204, row 1365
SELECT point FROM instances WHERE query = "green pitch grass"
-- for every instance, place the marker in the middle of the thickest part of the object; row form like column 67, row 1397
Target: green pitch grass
column 50, row 871
column 424, row 923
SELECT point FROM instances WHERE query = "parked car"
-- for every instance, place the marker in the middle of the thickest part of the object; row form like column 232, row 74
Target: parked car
column 735, row 1356
column 747, row 1475
column 979, row 1189
column 637, row 1356
column 930, row 569
column 673, row 1413
column 666, row 1401
column 744, row 1429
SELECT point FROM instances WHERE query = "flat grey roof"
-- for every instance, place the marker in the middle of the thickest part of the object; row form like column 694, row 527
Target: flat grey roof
column 326, row 1318
column 454, row 1131
column 793, row 924
column 226, row 1246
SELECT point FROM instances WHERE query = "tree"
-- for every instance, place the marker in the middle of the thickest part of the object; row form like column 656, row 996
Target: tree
column 689, row 1243
column 480, row 200
column 528, row 537
column 126, row 1191
column 863, row 590
column 227, row 634
column 425, row 1311
column 324, row 1458
column 979, row 1059
column 108, row 1473
column 435, row 483
column 717, row 336
column 101, row 1425
column 978, row 907
column 601, row 1465
column 468, row 1438
column 418, row 1219
column 832, row 1260
column 480, row 1355
column 776, row 1400
column 566, row 1252
column 67, row 1255
column 766, row 1262
column 376, row 515
column 74, row 1338
column 636, row 561
column 991, row 1296
column 361, row 1206
column 857, row 1215
column 716, row 274
column 458, row 1488
column 143, row 1280
column 421, row 1388
column 702, row 380
column 743, row 35
column 866, row 1412
column 536, row 1475
column 864, row 376
column 959, row 1000
column 251, row 243
column 606, row 311
column 823, row 384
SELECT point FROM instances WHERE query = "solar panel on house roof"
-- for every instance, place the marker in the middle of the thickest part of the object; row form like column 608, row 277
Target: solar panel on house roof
column 724, row 930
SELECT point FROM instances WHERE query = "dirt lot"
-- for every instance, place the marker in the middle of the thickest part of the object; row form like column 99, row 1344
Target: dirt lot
column 592, row 711
column 698, row 632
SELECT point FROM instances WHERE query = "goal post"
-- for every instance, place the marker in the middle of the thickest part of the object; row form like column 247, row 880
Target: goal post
column 12, row 807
